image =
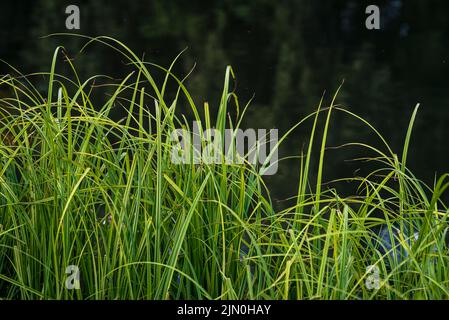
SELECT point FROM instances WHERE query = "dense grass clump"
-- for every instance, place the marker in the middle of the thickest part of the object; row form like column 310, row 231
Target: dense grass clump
column 79, row 188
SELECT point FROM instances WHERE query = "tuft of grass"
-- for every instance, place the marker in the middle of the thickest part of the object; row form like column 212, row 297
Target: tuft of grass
column 80, row 188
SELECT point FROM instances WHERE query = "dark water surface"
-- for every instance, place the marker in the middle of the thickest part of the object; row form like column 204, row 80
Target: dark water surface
column 286, row 53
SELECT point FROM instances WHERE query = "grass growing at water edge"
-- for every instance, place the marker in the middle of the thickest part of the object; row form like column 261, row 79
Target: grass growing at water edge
column 79, row 188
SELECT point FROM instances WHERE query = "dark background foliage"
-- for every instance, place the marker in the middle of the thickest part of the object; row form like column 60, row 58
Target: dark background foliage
column 286, row 53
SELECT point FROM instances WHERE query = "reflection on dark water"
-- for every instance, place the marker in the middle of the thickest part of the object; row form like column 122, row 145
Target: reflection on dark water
column 287, row 53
